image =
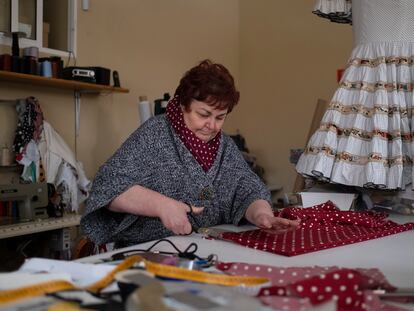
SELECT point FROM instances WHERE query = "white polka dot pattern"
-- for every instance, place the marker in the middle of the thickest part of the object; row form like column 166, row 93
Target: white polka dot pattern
column 204, row 153
column 290, row 289
column 383, row 21
column 29, row 125
column 322, row 226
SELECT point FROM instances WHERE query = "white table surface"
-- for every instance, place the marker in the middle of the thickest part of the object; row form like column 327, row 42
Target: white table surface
column 393, row 255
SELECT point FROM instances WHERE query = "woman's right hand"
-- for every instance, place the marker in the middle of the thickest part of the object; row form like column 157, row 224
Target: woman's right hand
column 175, row 218
column 139, row 200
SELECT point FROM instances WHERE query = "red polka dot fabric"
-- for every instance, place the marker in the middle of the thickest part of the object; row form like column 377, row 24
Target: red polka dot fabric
column 322, row 226
column 299, row 288
column 204, row 153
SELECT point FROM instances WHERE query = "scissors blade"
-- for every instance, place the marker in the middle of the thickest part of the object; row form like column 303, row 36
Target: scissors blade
column 407, row 293
column 212, row 232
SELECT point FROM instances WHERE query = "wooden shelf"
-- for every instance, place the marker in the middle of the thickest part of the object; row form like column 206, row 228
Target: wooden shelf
column 58, row 83
column 13, row 167
column 39, row 225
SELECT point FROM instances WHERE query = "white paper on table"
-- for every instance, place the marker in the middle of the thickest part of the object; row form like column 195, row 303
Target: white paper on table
column 82, row 274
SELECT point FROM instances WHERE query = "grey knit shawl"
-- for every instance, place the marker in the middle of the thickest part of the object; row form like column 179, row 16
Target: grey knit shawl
column 155, row 157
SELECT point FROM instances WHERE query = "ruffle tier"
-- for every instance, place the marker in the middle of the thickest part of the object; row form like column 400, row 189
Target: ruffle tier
column 365, row 137
column 338, row 11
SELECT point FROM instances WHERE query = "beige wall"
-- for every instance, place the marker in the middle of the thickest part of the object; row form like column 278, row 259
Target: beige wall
column 282, row 56
column 288, row 59
column 150, row 43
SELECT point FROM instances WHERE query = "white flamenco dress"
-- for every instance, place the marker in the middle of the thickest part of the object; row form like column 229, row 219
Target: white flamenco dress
column 365, row 138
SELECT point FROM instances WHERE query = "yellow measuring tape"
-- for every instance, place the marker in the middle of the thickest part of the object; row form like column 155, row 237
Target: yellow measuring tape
column 50, row 287
column 105, row 281
column 202, row 277
column 40, row 289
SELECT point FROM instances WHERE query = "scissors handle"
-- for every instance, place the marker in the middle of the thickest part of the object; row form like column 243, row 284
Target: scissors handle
column 196, row 225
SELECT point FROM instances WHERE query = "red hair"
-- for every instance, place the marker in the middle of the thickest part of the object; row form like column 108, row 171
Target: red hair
column 210, row 83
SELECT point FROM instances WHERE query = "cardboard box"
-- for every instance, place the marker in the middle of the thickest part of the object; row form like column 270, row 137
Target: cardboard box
column 46, row 31
column 344, row 201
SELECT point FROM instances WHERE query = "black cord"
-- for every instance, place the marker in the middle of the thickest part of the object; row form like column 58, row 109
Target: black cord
column 57, row 295
column 108, row 297
column 188, row 253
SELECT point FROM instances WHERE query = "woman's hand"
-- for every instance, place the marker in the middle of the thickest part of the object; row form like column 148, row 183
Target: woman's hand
column 261, row 215
column 139, row 200
column 275, row 225
column 175, row 217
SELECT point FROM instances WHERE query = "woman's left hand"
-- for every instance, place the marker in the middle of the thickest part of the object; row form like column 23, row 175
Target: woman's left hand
column 261, row 215
column 275, row 225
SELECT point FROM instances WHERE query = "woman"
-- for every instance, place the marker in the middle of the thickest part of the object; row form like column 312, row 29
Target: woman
column 177, row 163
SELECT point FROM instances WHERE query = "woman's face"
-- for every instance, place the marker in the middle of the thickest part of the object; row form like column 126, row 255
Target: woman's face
column 204, row 120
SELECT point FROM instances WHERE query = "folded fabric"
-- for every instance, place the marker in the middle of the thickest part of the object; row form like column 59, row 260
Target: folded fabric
column 322, row 226
column 298, row 288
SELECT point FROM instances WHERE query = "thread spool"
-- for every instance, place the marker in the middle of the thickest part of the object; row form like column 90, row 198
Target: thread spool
column 57, row 66
column 16, row 65
column 29, row 65
column 6, row 62
column 15, row 44
column 144, row 107
column 31, row 51
column 54, row 66
column 46, row 69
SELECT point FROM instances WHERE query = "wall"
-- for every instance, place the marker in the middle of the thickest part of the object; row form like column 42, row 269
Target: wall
column 288, row 59
column 150, row 43
column 282, row 56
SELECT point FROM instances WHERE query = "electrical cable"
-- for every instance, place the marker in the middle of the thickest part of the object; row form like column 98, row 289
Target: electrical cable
column 188, row 253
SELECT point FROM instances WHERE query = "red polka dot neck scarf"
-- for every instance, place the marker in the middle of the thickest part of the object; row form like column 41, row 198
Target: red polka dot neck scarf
column 322, row 226
column 204, row 153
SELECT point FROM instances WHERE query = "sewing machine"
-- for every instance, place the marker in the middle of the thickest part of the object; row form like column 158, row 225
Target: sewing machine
column 32, row 199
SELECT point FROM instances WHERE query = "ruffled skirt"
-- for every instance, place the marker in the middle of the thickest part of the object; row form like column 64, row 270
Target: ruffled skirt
column 365, row 138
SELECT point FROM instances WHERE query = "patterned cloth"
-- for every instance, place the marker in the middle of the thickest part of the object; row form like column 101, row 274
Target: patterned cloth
column 322, row 226
column 365, row 136
column 204, row 153
column 29, row 125
column 298, row 288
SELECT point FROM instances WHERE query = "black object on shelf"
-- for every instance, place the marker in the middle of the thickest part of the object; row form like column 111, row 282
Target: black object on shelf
column 102, row 75
column 160, row 105
column 115, row 77
column 98, row 75
column 15, row 44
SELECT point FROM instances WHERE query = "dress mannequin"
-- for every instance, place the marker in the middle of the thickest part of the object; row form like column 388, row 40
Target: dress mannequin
column 365, row 137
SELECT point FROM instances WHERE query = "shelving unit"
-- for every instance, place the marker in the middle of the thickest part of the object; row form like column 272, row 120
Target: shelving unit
column 13, row 167
column 78, row 88
column 58, row 83
column 40, row 225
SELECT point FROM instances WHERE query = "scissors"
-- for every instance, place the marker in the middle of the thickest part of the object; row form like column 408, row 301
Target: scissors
column 197, row 228
column 195, row 225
